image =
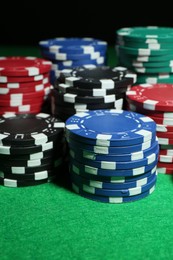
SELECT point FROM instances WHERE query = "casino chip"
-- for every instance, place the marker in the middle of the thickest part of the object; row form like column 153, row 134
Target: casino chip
column 32, row 149
column 146, row 51
column 24, row 84
column 72, row 52
column 90, row 88
column 155, row 101
column 110, row 162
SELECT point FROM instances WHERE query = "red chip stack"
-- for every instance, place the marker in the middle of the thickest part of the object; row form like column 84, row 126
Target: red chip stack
column 24, row 84
column 156, row 101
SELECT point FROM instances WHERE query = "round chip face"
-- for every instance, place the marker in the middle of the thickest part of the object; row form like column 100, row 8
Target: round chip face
column 23, row 66
column 148, row 32
column 29, row 129
column 117, row 126
column 152, row 96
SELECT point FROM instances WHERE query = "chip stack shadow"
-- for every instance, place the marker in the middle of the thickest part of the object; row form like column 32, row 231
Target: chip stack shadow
column 113, row 155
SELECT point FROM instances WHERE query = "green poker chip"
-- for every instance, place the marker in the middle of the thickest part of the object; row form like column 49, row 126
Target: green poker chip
column 138, row 64
column 143, row 52
column 153, row 70
column 155, row 78
column 151, row 46
column 147, row 34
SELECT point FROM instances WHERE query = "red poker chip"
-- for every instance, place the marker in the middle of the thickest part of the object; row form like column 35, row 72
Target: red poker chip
column 23, row 85
column 165, row 141
column 28, row 95
column 165, row 165
column 164, row 170
column 160, row 114
column 166, row 152
column 165, row 135
column 152, row 96
column 163, row 128
column 21, row 109
column 8, row 79
column 165, row 158
column 23, row 66
column 21, row 102
column 163, row 121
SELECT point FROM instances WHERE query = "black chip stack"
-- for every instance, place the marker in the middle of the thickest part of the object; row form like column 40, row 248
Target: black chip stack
column 32, row 149
column 90, row 88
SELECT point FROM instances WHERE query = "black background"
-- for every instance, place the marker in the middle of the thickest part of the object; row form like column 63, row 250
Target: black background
column 27, row 24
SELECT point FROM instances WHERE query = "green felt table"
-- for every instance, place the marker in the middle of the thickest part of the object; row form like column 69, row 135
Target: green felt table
column 50, row 221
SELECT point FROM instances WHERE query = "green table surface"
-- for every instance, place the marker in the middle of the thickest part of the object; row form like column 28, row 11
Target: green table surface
column 50, row 221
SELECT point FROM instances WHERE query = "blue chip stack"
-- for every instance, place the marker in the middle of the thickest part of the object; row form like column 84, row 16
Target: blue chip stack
column 148, row 51
column 113, row 155
column 65, row 53
column 90, row 88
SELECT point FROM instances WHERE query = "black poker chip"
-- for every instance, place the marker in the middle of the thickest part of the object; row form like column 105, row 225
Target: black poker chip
column 36, row 176
column 95, row 77
column 13, row 183
column 29, row 129
column 27, row 170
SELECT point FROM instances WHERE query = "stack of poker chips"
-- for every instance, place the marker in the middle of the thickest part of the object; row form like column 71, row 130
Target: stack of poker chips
column 31, row 150
column 66, row 53
column 24, row 84
column 156, row 101
column 148, row 51
column 112, row 155
column 90, row 88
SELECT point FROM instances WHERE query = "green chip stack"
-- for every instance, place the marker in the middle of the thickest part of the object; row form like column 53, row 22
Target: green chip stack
column 147, row 51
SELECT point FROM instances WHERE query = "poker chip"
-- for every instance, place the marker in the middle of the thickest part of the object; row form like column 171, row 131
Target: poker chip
column 22, row 79
column 107, row 159
column 115, row 165
column 32, row 149
column 149, row 34
column 155, row 101
column 79, row 179
column 112, row 200
column 97, row 77
column 152, row 96
column 72, row 52
column 146, row 51
column 116, row 192
column 89, row 88
column 24, row 84
column 110, row 127
column 29, row 129
column 13, row 183
column 23, row 66
column 73, row 45
column 36, row 176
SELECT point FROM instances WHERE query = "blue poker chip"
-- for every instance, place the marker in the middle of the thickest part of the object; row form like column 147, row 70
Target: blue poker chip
column 115, row 200
column 108, row 165
column 111, row 127
column 69, row 64
column 117, row 192
column 111, row 179
column 122, row 172
column 65, row 56
column 73, row 45
column 117, row 157
column 111, row 150
column 108, row 185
